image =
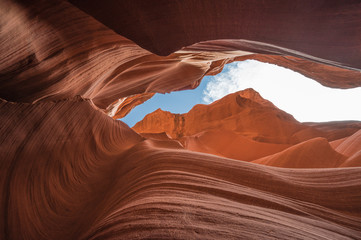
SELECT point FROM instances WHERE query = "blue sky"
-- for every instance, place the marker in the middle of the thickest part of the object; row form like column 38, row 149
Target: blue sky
column 175, row 102
column 304, row 98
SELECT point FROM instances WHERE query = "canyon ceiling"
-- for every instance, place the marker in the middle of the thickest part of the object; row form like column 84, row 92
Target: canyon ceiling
column 70, row 171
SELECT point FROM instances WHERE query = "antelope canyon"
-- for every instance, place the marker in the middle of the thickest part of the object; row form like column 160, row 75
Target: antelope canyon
column 238, row 168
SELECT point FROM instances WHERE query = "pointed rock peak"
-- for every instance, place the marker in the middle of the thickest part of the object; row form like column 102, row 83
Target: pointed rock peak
column 253, row 95
column 157, row 113
column 159, row 110
column 249, row 93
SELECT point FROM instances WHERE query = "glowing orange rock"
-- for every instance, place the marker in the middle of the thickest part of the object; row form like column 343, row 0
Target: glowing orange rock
column 69, row 171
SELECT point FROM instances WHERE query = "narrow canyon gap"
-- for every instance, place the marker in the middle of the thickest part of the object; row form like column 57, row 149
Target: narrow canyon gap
column 302, row 97
column 69, row 170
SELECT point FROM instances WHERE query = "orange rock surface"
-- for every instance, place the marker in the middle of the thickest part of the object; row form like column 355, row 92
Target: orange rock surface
column 246, row 113
column 70, row 171
column 247, row 127
column 313, row 153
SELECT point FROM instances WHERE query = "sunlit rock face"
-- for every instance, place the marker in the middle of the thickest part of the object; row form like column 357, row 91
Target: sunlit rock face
column 245, row 113
column 70, row 171
column 247, row 127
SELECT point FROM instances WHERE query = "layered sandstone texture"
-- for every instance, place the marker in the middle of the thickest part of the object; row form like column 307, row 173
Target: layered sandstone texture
column 246, row 127
column 70, row 171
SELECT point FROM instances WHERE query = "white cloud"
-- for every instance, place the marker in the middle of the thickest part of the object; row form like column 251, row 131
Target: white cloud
column 302, row 97
column 234, row 77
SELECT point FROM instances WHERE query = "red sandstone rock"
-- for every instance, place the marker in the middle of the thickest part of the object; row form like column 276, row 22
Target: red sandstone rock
column 82, row 175
column 123, row 106
column 350, row 145
column 324, row 31
column 247, row 127
column 245, row 113
column 230, row 144
column 313, row 153
column 69, row 171
column 76, row 55
column 353, row 161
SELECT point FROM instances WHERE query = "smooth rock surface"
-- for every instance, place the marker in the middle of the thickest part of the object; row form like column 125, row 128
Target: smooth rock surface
column 70, row 171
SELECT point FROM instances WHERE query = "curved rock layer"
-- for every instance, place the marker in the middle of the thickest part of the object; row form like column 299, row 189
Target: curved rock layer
column 350, row 145
column 69, row 171
column 83, row 175
column 313, row 153
column 51, row 50
column 230, row 144
column 325, row 30
column 56, row 165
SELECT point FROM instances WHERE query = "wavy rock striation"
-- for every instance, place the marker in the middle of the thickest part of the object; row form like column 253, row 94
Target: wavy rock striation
column 328, row 32
column 69, row 171
column 51, row 50
column 83, row 175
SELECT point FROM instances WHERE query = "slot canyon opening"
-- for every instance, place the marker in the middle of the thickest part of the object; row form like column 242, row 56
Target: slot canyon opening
column 240, row 167
column 256, row 112
column 304, row 98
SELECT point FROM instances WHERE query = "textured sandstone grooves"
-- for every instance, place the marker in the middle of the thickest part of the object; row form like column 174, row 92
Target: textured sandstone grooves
column 68, row 171
column 328, row 31
column 80, row 174
column 57, row 160
column 51, row 51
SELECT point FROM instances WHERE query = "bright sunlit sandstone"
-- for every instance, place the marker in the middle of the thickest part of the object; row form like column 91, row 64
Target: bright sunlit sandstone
column 304, row 98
